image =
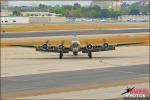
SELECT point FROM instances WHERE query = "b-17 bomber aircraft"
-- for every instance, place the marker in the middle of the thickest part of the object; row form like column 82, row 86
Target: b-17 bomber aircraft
column 75, row 47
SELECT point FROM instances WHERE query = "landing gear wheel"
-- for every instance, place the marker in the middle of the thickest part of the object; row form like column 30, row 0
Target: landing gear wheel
column 90, row 54
column 60, row 55
column 75, row 53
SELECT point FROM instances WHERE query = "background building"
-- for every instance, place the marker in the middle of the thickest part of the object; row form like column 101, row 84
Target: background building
column 145, row 2
column 107, row 4
column 134, row 18
column 39, row 14
column 31, row 19
column 46, row 19
column 14, row 20
column 4, row 11
column 4, row 3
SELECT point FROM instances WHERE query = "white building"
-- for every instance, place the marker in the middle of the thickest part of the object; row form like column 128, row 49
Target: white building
column 5, row 12
column 14, row 20
column 39, row 14
column 4, row 3
column 31, row 19
column 135, row 18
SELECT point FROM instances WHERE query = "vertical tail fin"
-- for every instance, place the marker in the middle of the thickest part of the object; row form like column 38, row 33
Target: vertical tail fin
column 75, row 34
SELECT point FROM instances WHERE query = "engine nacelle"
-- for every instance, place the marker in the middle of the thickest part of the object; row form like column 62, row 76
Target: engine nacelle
column 61, row 47
column 105, row 45
column 45, row 46
column 89, row 47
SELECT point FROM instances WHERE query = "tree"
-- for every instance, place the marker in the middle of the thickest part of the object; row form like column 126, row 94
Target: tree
column 104, row 13
column 134, row 12
column 16, row 11
column 114, row 13
column 76, row 5
column 42, row 7
column 146, row 10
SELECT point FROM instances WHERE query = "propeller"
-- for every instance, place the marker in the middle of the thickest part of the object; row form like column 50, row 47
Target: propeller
column 105, row 44
column 45, row 45
column 47, row 41
column 61, row 47
column 104, row 40
column 86, row 42
column 88, row 46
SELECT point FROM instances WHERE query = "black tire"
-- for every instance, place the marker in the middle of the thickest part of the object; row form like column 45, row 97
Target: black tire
column 60, row 55
column 75, row 53
column 90, row 54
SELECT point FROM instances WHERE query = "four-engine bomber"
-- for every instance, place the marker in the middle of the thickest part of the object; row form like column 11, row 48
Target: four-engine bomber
column 75, row 47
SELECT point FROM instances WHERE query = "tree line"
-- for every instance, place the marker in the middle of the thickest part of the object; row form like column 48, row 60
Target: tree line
column 77, row 10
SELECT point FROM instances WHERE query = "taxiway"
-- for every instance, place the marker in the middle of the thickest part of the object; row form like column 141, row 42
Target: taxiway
column 26, row 72
column 70, row 32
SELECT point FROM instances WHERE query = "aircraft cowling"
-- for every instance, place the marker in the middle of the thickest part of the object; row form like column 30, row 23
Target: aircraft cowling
column 45, row 46
column 105, row 45
column 89, row 47
column 61, row 47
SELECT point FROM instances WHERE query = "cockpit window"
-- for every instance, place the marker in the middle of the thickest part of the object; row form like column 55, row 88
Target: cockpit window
column 75, row 44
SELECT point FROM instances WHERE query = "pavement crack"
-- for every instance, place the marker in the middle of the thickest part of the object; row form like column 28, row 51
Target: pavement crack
column 102, row 61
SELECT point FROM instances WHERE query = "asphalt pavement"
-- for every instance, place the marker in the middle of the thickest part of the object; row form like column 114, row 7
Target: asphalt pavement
column 26, row 85
column 70, row 32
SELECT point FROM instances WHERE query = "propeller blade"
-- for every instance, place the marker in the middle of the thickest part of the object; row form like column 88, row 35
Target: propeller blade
column 104, row 40
column 86, row 42
column 47, row 41
column 62, row 42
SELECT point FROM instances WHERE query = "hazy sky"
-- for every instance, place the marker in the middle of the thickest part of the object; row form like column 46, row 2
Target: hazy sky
column 53, row 3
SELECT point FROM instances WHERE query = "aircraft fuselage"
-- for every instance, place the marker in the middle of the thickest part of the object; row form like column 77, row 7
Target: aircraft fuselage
column 75, row 46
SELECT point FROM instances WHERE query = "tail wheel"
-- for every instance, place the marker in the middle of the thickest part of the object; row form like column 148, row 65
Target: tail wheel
column 60, row 55
column 75, row 53
column 90, row 54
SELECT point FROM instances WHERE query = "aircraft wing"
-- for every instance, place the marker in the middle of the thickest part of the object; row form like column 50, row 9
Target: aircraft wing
column 46, row 48
column 126, row 44
column 26, row 46
column 104, row 47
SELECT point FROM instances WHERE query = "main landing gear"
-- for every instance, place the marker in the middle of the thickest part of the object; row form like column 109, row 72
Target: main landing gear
column 90, row 54
column 61, row 55
column 75, row 53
